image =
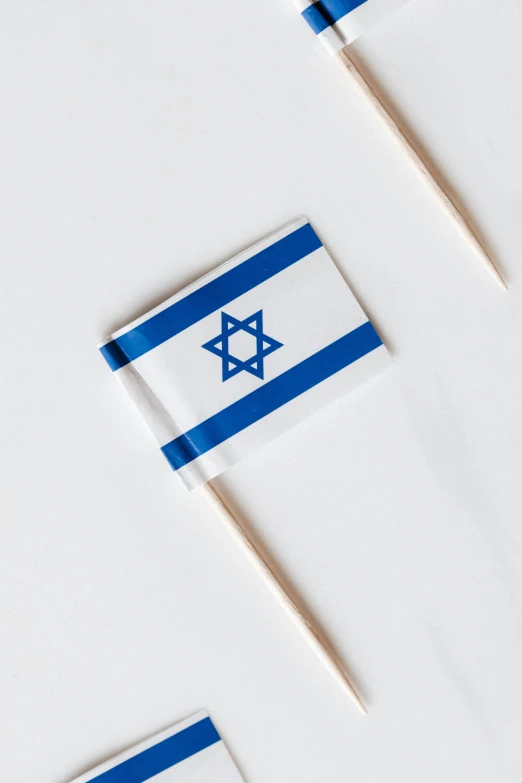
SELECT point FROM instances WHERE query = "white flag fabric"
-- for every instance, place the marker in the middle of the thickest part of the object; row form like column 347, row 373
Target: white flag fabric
column 339, row 22
column 246, row 352
column 189, row 752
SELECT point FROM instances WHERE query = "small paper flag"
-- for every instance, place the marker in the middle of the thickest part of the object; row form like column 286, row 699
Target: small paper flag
column 339, row 22
column 246, row 352
column 189, row 752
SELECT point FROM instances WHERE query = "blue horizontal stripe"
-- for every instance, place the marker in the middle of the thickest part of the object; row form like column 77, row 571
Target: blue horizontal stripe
column 316, row 18
column 325, row 13
column 210, row 297
column 165, row 754
column 272, row 395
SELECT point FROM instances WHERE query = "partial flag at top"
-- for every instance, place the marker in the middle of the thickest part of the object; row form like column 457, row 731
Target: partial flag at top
column 246, row 352
column 339, row 22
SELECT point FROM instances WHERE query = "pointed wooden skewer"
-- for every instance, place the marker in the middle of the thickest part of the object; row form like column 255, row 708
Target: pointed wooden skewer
column 152, row 410
column 402, row 137
column 275, row 582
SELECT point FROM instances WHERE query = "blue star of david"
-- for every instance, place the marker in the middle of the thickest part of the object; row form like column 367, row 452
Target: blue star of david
column 264, row 345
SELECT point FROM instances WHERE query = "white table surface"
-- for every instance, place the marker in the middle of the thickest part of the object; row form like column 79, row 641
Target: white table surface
column 141, row 144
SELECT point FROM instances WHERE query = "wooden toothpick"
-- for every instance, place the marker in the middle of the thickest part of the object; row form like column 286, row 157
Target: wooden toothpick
column 403, row 138
column 276, row 584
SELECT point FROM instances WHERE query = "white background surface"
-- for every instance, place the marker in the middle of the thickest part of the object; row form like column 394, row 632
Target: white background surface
column 141, row 144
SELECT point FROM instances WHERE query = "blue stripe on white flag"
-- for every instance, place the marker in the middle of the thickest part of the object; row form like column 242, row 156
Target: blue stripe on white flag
column 272, row 395
column 164, row 755
column 325, row 13
column 210, row 297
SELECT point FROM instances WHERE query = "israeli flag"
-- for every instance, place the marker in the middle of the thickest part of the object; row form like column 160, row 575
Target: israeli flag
column 246, row 352
column 189, row 752
column 339, row 22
